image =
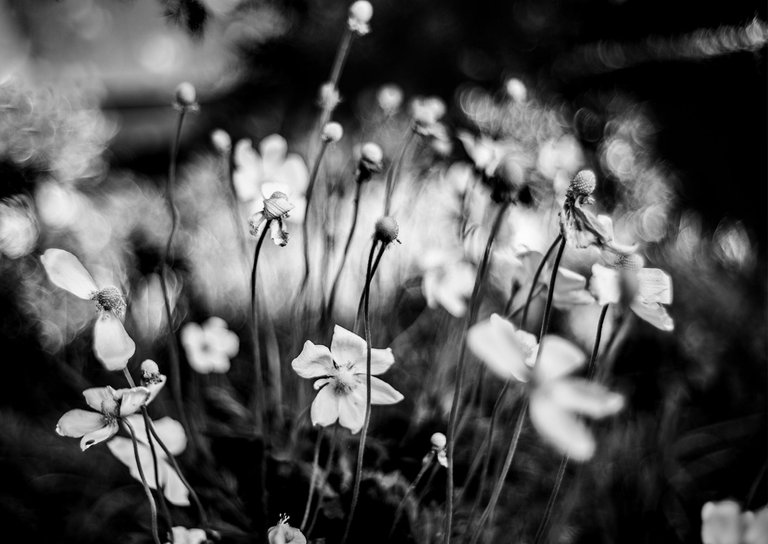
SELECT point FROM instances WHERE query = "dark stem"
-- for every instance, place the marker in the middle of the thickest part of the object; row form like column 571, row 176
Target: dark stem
column 313, row 478
column 596, row 346
column 411, row 488
column 474, row 303
column 338, row 64
column 535, row 280
column 328, row 462
column 147, row 490
column 359, row 313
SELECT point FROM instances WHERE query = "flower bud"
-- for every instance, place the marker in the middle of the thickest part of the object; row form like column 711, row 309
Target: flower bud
column 438, row 441
column 583, row 183
column 329, row 96
column 221, row 141
column 390, row 97
column 149, row 367
column 516, row 90
column 386, row 230
column 332, row 132
column 186, row 96
column 371, row 157
column 360, row 14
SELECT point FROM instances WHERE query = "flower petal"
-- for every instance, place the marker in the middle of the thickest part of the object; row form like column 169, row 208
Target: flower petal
column 495, row 343
column 100, row 398
column 294, row 174
column 381, row 360
column 174, row 489
column 605, row 284
column 132, row 399
column 111, row 344
column 347, row 347
column 352, row 410
column 247, row 170
column 273, row 149
column 586, row 398
column 77, row 423
column 558, row 358
column 653, row 313
column 654, row 285
column 558, row 427
column 382, row 392
column 171, row 432
column 66, row 271
column 313, row 362
column 155, row 388
column 570, row 290
column 325, row 408
column 278, row 232
column 99, row 435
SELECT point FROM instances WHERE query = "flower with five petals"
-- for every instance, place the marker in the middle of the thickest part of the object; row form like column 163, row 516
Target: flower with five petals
column 209, row 347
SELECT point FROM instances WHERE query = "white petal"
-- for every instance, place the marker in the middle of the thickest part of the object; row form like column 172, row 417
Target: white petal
column 381, row 360
column 495, row 343
column 382, row 392
column 173, row 488
column 96, row 397
column 586, row 398
column 139, row 429
column 278, row 232
column 294, row 174
column 654, row 285
column 570, row 290
column 111, row 344
column 273, row 149
column 99, row 435
column 325, row 407
column 132, row 399
column 605, row 285
column 558, row 358
column 313, row 362
column 352, row 410
column 347, row 347
column 247, row 170
column 171, row 432
column 558, row 427
column 66, row 271
column 77, row 423
column 655, row 314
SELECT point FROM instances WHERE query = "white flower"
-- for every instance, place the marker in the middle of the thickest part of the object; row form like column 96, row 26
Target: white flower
column 283, row 533
column 111, row 344
column 342, row 371
column 557, row 401
column 182, row 535
column 271, row 213
column 722, row 523
column 172, row 434
column 652, row 289
column 110, row 405
column 259, row 175
column 209, row 348
column 448, row 281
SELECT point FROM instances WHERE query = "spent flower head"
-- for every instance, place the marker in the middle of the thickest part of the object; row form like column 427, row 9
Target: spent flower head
column 332, row 132
column 386, row 230
column 274, row 211
column 221, row 141
column 360, row 14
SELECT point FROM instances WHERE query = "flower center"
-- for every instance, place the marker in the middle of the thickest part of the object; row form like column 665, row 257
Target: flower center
column 344, row 381
column 110, row 299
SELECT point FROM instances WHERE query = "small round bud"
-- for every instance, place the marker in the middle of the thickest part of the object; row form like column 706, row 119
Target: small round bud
column 360, row 14
column 516, row 90
column 438, row 441
column 583, row 183
column 186, row 96
column 332, row 132
column 390, row 97
column 149, row 368
column 329, row 96
column 221, row 141
column 386, row 230
column 371, row 153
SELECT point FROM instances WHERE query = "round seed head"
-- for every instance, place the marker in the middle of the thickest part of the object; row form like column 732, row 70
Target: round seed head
column 583, row 183
column 361, row 12
column 332, row 132
column 186, row 96
column 221, row 141
column 110, row 299
column 149, row 368
column 438, row 441
column 386, row 229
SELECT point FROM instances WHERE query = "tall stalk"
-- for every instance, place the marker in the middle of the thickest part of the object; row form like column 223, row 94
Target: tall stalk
column 313, row 478
column 308, row 203
column 147, row 490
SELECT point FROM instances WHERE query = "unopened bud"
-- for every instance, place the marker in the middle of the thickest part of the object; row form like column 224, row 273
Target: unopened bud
column 360, row 14
column 371, row 157
column 438, row 441
column 186, row 96
column 332, row 132
column 583, row 183
column 516, row 90
column 221, row 141
column 390, row 97
column 386, row 230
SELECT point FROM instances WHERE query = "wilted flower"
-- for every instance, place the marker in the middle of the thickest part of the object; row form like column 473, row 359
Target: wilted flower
column 342, row 379
column 283, row 533
column 557, row 401
column 439, row 442
column 209, row 348
column 182, row 535
column 172, row 434
column 448, row 281
column 110, row 404
column 647, row 289
column 360, row 14
column 273, row 169
column 151, row 378
column 111, row 344
column 274, row 210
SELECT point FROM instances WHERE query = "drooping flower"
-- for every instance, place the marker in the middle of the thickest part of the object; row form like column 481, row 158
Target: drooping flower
column 111, row 405
column 272, row 214
column 111, row 343
column 557, row 401
column 172, row 434
column 439, row 441
column 647, row 289
column 209, row 348
column 448, row 281
column 283, row 533
column 182, row 535
column 341, row 373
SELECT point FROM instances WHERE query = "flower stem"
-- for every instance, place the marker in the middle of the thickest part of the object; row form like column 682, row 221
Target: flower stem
column 596, row 347
column 259, row 396
column 474, row 303
column 367, row 420
column 147, row 490
column 313, row 478
column 408, row 492
column 393, row 174
column 326, row 470
column 338, row 65
column 359, row 313
column 308, row 203
column 535, row 279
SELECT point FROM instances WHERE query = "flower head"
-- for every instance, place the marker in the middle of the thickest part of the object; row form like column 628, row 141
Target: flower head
column 221, row 141
column 110, row 405
column 360, row 14
column 371, row 157
column 516, row 90
column 329, row 96
column 186, row 96
column 426, row 114
column 332, row 132
column 386, row 230
column 448, row 281
column 209, row 348
column 152, row 379
column 341, row 373
column 439, row 442
column 390, row 98
column 111, row 344
column 273, row 212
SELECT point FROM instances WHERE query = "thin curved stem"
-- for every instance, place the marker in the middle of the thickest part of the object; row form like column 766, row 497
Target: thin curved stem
column 411, row 488
column 313, row 478
column 596, row 346
column 535, row 280
column 394, row 171
column 474, row 304
column 338, row 65
column 540, row 532
column 147, row 490
column 550, row 294
column 367, row 421
column 259, row 398
column 308, row 203
column 362, row 296
column 326, row 471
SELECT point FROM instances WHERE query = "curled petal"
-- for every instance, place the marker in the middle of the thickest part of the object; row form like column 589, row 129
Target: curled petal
column 101, row 399
column 558, row 358
column 256, row 223
column 654, row 285
column 278, row 232
column 585, row 398
column 132, row 399
column 77, row 423
column 66, row 271
column 325, row 408
column 313, row 362
column 111, row 343
column 495, row 343
column 352, row 410
column 383, row 393
column 655, row 314
column 347, row 347
column 174, row 489
column 99, row 435
column 560, row 428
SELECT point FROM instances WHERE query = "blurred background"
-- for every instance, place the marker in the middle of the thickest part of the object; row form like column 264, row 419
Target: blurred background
column 666, row 101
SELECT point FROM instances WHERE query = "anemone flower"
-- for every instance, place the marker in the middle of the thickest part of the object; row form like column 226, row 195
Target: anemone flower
column 258, row 175
column 448, row 281
column 723, row 522
column 271, row 214
column 649, row 290
column 111, row 405
column 172, row 434
column 209, row 347
column 111, row 343
column 557, row 401
column 341, row 373
column 283, row 533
